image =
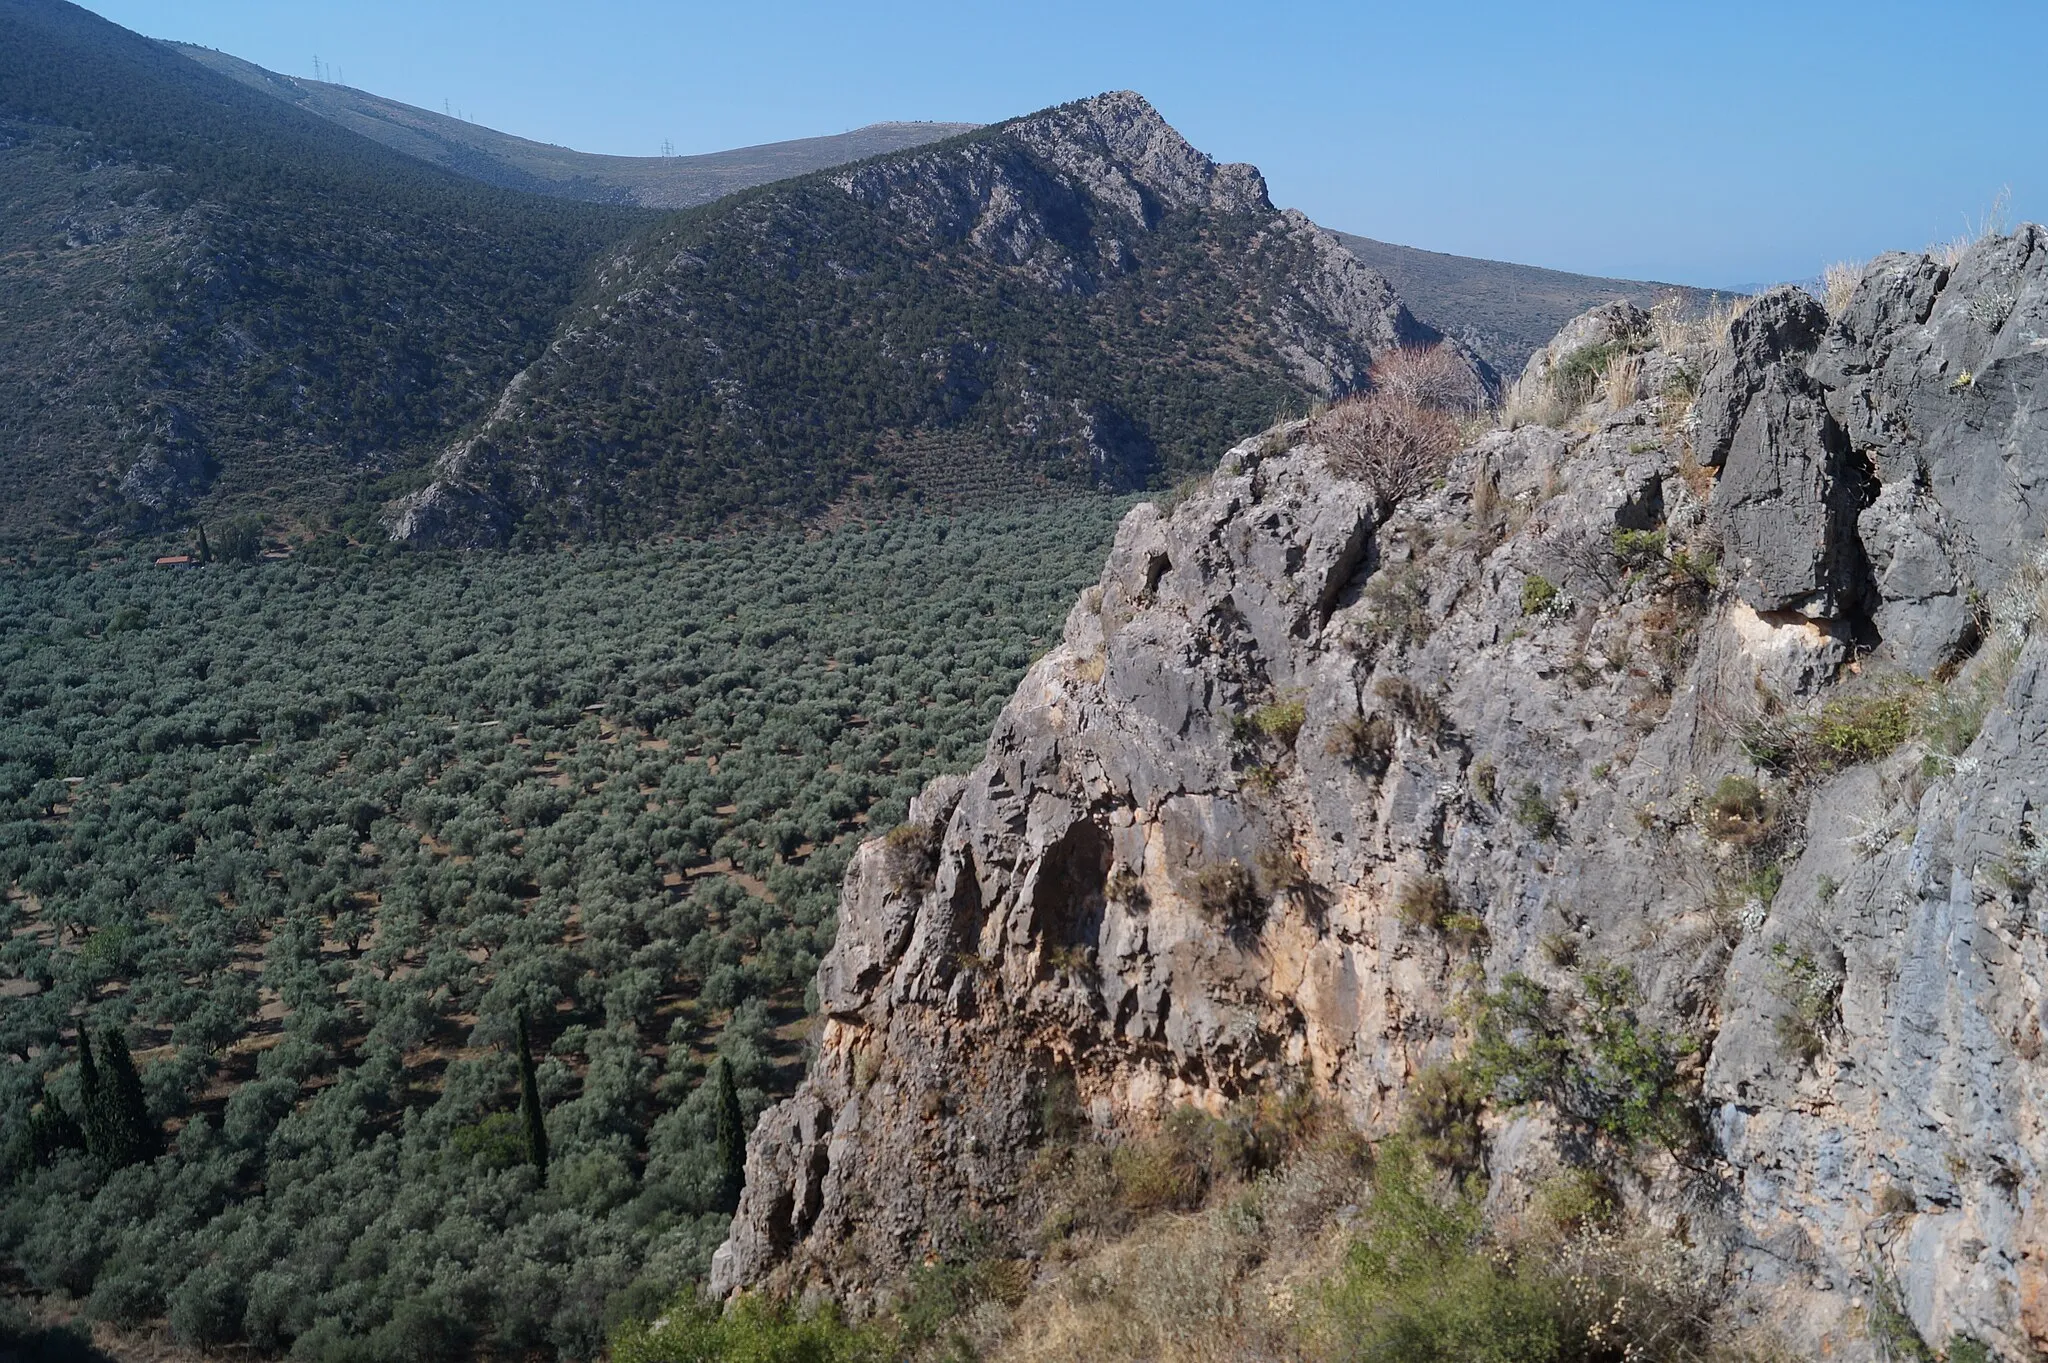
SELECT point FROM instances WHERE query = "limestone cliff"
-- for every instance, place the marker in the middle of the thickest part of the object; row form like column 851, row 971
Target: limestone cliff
column 1524, row 690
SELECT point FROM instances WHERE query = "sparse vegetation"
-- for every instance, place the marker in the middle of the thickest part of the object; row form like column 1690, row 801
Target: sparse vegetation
column 1838, row 286
column 1810, row 994
column 912, row 852
column 1441, row 1118
column 1576, row 376
column 1855, row 730
column 1434, row 377
column 1536, row 814
column 1398, row 599
column 1589, row 1056
column 1485, row 776
column 1365, row 740
column 1424, row 902
column 1418, row 707
column 1226, row 894
column 1422, row 1280
column 1737, row 812
column 756, row 1330
column 1280, row 721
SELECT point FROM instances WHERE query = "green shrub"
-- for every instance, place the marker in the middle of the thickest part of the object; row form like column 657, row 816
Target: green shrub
column 1441, row 1117
column 1538, row 595
column 1853, row 732
column 1578, row 374
column 1282, row 720
column 1702, row 569
column 1737, row 811
column 1964, row 1349
column 1639, row 549
column 1810, row 995
column 1845, row 733
column 1576, row 1199
column 1422, row 1283
column 755, row 1330
column 496, row 1142
column 1465, row 931
column 1589, row 1056
column 1535, row 813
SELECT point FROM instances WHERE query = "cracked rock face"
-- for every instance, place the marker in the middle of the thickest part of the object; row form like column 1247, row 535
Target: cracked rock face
column 1163, row 885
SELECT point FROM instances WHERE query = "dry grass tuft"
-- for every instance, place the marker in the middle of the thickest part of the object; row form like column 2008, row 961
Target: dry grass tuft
column 1533, row 401
column 911, row 854
column 1623, row 381
column 1950, row 253
column 1839, row 282
column 1709, row 331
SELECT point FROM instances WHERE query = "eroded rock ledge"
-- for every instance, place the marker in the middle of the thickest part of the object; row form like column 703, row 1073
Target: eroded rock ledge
column 1164, row 884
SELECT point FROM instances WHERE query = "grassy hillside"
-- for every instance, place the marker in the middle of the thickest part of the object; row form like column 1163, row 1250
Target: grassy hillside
column 1505, row 312
column 310, row 837
column 211, row 296
column 515, row 163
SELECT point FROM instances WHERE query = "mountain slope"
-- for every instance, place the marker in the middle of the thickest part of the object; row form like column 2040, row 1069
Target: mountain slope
column 1073, row 298
column 510, row 162
column 209, row 293
column 1652, row 806
column 1504, row 312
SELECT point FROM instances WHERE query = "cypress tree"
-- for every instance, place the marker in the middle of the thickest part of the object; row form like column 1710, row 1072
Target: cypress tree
column 205, row 549
column 529, row 1105
column 730, row 1132
column 134, row 1136
column 92, row 1108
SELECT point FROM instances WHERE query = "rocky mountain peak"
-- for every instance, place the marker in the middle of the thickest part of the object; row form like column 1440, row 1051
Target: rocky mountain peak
column 1127, row 155
column 1071, row 297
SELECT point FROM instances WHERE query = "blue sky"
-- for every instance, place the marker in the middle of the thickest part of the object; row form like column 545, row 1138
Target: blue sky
column 1721, row 144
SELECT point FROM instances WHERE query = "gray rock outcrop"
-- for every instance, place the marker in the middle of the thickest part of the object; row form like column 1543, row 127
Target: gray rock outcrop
column 1165, row 885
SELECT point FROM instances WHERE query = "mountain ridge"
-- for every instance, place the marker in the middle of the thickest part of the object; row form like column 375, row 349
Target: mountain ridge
column 1076, row 293
column 1507, row 311
column 511, row 162
column 215, row 298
